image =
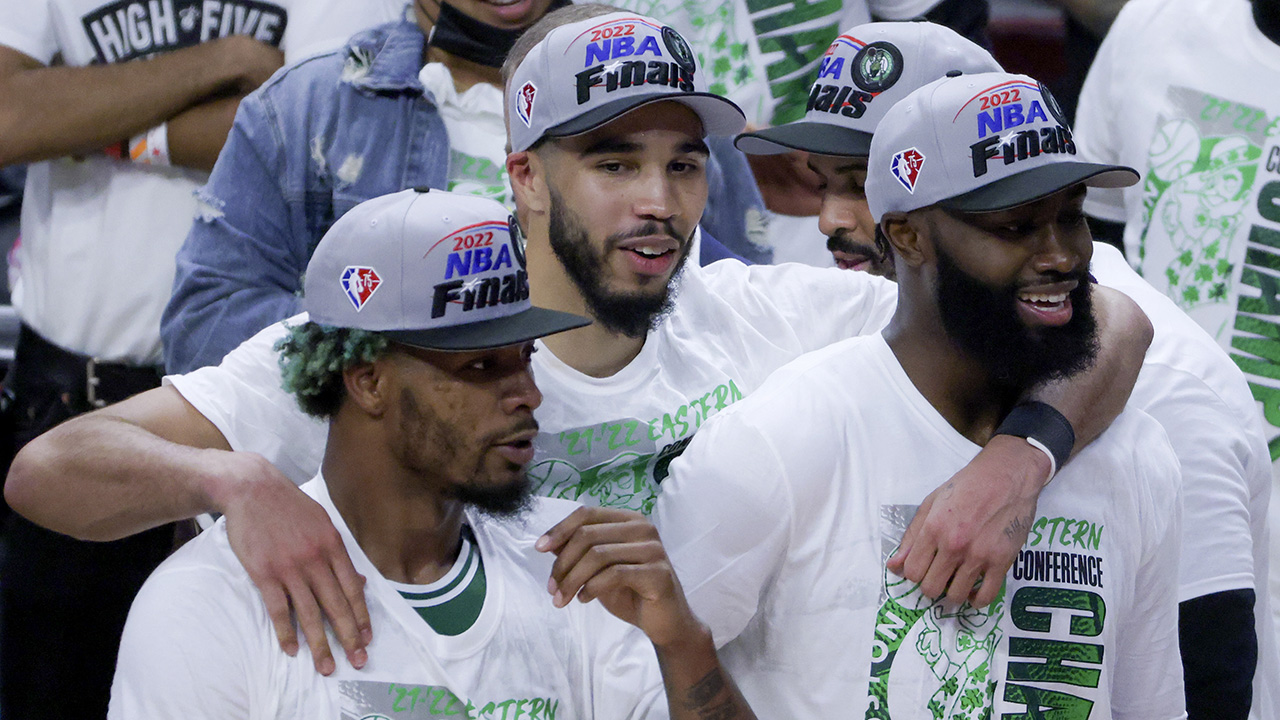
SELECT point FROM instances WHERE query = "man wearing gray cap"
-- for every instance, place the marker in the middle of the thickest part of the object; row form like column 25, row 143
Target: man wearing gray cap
column 610, row 214
column 865, row 71
column 1187, row 384
column 992, row 261
column 427, row 388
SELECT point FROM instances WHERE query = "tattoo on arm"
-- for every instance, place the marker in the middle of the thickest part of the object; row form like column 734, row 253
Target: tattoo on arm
column 726, row 710
column 705, row 690
column 702, row 695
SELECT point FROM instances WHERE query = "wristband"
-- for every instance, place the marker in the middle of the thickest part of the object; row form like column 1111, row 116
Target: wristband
column 1044, row 428
column 151, row 147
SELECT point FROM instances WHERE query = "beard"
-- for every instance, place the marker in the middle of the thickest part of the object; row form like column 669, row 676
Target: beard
column 983, row 321
column 428, row 444
column 632, row 314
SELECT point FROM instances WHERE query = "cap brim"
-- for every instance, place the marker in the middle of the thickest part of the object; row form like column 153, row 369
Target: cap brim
column 719, row 115
column 499, row 332
column 1036, row 183
column 814, row 137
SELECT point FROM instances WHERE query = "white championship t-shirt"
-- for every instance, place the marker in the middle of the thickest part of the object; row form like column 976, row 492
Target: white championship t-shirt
column 1182, row 90
column 602, row 441
column 199, row 644
column 780, row 516
column 1201, row 399
column 477, row 135
column 94, row 266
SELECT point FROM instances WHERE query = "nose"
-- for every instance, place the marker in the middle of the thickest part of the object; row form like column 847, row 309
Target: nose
column 521, row 392
column 837, row 215
column 654, row 195
column 1058, row 250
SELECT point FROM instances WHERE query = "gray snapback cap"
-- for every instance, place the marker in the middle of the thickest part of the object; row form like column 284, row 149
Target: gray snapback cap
column 864, row 72
column 977, row 143
column 430, row 269
column 584, row 74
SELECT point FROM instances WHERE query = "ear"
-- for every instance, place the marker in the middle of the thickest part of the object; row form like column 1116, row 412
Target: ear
column 368, row 386
column 528, row 182
column 905, row 237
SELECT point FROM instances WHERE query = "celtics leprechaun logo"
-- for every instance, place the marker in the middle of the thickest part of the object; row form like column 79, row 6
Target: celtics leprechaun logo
column 877, row 67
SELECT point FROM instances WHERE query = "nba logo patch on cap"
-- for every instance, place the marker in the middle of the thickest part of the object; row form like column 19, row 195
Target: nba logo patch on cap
column 360, row 283
column 906, row 167
column 524, row 103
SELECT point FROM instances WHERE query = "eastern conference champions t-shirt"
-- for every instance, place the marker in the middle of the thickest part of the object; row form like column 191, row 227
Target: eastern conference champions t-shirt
column 602, row 441
column 94, row 267
column 781, row 513
column 199, row 644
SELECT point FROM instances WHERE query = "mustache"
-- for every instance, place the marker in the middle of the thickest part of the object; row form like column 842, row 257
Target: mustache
column 840, row 242
column 649, row 229
column 522, row 426
column 1049, row 277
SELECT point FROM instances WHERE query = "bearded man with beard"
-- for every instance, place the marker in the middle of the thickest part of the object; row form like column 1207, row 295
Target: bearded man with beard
column 782, row 513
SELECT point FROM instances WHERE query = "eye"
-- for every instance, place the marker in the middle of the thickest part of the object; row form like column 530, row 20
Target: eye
column 611, row 166
column 481, row 364
column 685, row 166
column 1072, row 217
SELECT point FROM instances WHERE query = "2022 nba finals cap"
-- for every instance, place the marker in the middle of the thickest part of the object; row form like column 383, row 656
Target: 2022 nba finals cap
column 584, row 74
column 430, row 269
column 977, row 143
column 864, row 73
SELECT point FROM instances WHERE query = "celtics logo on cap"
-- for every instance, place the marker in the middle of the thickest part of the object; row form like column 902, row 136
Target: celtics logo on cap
column 679, row 49
column 518, row 240
column 877, row 67
column 1052, row 103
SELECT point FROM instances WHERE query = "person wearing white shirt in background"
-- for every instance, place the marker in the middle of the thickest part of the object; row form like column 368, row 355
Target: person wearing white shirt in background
column 1185, row 92
column 120, row 109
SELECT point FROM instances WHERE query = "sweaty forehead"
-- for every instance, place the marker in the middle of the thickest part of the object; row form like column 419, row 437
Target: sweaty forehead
column 653, row 125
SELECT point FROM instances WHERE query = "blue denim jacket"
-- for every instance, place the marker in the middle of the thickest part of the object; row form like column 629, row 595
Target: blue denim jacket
column 318, row 138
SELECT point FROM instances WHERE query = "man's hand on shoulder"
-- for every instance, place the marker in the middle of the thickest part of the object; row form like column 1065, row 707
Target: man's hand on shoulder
column 973, row 526
column 295, row 556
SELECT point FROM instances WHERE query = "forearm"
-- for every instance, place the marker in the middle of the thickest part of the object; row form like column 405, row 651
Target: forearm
column 49, row 112
column 104, row 476
column 698, row 688
column 1091, row 399
column 1219, row 653
column 197, row 134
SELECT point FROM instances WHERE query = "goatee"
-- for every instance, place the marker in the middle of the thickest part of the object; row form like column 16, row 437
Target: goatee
column 632, row 314
column 983, row 321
